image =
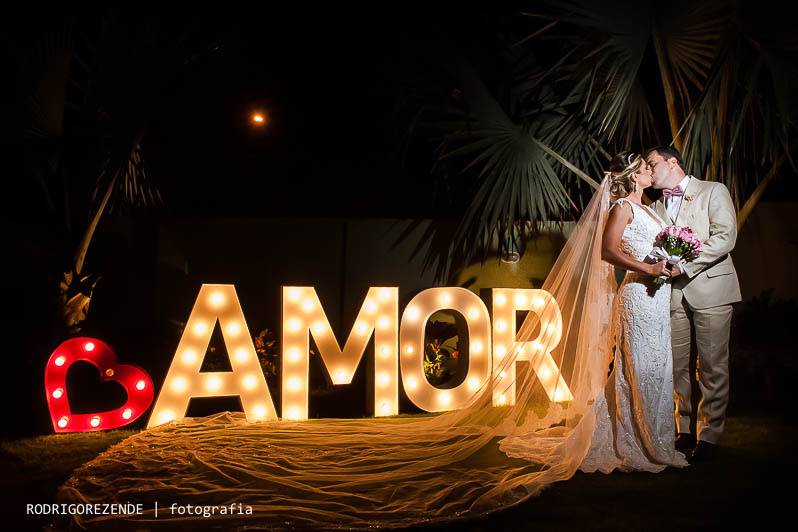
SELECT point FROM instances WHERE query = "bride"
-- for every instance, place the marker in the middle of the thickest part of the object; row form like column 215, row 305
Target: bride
column 635, row 426
column 378, row 472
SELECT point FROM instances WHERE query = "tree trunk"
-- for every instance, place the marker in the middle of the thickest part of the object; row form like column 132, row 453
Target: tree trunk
column 753, row 199
column 80, row 255
column 674, row 117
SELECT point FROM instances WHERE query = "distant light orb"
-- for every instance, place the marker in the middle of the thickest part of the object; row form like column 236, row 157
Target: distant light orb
column 259, row 119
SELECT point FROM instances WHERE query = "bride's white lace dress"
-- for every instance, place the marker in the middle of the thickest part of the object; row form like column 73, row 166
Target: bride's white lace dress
column 635, row 426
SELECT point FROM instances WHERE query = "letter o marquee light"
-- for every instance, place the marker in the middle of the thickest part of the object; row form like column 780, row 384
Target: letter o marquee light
column 411, row 342
column 136, row 382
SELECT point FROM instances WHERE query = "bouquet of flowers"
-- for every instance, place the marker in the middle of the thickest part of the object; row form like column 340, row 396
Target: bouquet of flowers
column 676, row 245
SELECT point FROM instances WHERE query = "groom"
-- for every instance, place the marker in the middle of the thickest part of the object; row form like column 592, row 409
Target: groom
column 701, row 299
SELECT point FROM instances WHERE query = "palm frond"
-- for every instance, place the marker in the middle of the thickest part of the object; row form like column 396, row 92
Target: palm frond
column 741, row 123
column 726, row 87
column 604, row 72
column 519, row 177
column 686, row 39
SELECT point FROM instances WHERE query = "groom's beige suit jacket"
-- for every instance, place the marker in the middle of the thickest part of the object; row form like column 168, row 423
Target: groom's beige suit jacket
column 710, row 280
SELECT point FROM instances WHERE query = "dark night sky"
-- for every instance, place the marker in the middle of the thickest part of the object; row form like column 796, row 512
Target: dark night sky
column 331, row 84
column 332, row 81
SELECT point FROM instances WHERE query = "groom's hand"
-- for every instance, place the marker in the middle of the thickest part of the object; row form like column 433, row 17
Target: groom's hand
column 675, row 271
column 660, row 269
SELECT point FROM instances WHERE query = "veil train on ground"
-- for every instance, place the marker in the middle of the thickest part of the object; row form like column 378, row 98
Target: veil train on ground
column 387, row 472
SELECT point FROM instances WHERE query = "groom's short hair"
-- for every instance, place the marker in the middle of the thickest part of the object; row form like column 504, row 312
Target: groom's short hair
column 667, row 152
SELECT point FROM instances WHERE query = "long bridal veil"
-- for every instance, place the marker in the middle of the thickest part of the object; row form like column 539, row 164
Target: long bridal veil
column 388, row 472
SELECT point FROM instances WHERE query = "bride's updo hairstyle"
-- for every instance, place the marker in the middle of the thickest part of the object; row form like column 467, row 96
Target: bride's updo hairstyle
column 622, row 168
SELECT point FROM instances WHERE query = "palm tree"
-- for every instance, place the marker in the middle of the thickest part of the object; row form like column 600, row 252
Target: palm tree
column 91, row 87
column 590, row 79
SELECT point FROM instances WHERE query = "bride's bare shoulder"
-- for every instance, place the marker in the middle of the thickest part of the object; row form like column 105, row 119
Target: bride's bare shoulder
column 621, row 210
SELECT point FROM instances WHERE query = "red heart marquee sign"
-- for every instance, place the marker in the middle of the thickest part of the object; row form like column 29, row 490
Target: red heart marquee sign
column 136, row 382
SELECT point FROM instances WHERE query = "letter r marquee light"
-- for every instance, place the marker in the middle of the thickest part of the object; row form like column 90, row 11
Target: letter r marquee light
column 216, row 302
column 506, row 301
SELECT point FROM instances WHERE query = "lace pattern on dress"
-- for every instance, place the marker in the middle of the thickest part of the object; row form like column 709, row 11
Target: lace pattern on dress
column 635, row 427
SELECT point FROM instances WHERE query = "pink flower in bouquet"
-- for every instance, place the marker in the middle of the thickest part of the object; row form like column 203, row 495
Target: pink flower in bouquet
column 676, row 245
column 691, row 238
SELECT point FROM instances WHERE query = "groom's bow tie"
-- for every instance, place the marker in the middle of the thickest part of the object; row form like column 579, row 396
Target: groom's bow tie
column 675, row 191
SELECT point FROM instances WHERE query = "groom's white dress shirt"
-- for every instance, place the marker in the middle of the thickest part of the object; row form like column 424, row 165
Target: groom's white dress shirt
column 673, row 203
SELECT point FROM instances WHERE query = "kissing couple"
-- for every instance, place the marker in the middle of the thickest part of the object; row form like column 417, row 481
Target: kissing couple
column 643, row 416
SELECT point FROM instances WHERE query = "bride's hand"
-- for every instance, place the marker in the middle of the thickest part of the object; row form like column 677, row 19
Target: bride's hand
column 660, row 268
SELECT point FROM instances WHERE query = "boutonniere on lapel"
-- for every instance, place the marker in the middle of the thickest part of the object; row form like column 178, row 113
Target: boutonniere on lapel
column 688, row 197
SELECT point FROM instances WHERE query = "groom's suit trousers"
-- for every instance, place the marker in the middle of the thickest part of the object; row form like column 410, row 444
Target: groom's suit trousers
column 712, row 343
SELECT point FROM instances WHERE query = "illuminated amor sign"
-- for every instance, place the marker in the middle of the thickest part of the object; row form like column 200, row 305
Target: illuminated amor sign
column 398, row 345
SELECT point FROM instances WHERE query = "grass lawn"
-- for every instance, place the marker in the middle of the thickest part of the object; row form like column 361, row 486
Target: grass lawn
column 33, row 468
column 749, row 484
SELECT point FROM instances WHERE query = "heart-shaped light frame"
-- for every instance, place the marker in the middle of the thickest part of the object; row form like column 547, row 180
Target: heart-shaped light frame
column 136, row 382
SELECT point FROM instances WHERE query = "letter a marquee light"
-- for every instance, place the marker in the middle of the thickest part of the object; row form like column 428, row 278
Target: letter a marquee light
column 216, row 302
